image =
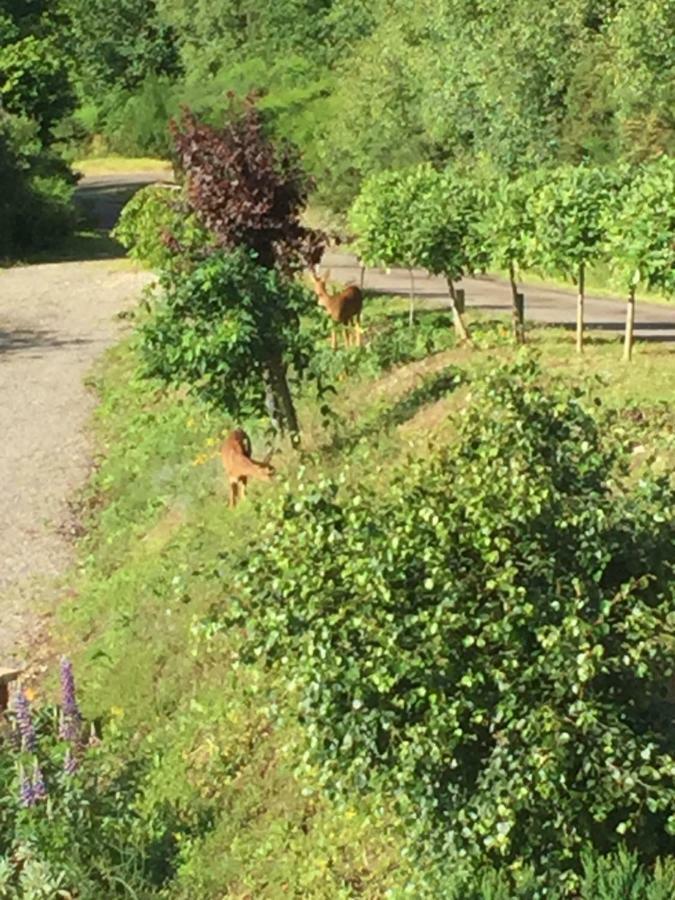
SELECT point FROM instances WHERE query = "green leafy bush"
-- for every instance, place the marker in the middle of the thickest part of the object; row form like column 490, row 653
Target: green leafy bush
column 490, row 643
column 158, row 229
column 391, row 341
column 34, row 81
column 225, row 329
column 36, row 190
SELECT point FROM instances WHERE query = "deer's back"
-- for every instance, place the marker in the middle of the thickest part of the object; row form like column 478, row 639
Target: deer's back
column 235, row 449
column 347, row 305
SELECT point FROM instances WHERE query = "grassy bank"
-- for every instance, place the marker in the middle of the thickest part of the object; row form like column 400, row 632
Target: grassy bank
column 202, row 778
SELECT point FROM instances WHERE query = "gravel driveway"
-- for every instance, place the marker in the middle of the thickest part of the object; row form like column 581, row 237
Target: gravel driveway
column 55, row 320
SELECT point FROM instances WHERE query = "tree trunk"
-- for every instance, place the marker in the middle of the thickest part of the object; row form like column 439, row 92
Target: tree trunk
column 411, row 316
column 580, row 309
column 271, row 404
column 518, row 319
column 630, row 322
column 283, row 398
column 460, row 327
column 363, row 276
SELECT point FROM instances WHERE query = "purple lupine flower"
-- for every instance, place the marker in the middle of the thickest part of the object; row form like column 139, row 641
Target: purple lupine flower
column 15, row 738
column 71, row 717
column 24, row 720
column 68, row 696
column 70, row 763
column 39, row 786
column 26, row 790
column 68, row 728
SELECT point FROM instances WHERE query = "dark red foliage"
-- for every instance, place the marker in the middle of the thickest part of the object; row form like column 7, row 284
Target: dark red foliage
column 247, row 191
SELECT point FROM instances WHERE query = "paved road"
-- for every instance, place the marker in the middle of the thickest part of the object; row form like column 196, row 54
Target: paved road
column 103, row 196
column 553, row 306
column 493, row 296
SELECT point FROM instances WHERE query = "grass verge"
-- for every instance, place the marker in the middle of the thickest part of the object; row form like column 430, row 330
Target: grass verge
column 120, row 165
column 218, row 743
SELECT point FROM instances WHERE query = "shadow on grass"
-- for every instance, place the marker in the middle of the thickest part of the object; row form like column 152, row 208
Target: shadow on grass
column 98, row 204
column 79, row 247
column 431, row 389
column 599, row 333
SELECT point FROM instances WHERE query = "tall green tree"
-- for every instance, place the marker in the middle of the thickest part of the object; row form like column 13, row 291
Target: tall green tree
column 641, row 39
column 114, row 51
column 568, row 214
column 506, row 226
column 640, row 242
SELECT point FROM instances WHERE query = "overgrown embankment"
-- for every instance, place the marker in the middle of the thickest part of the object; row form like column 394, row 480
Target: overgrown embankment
column 426, row 620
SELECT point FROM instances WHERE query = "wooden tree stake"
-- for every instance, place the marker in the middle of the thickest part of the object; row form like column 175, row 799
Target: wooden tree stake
column 460, row 327
column 630, row 323
column 580, row 309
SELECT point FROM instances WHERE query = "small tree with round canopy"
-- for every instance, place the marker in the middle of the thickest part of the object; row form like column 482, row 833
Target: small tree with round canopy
column 640, row 242
column 382, row 218
column 420, row 217
column 505, row 227
column 567, row 225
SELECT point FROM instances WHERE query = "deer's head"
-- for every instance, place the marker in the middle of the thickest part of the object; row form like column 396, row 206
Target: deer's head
column 320, row 282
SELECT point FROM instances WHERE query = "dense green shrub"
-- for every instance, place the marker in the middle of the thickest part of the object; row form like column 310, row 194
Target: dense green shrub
column 226, row 329
column 34, row 82
column 490, row 643
column 36, row 189
column 157, row 228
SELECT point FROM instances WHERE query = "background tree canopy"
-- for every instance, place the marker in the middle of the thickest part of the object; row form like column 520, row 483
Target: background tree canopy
column 358, row 88
column 366, row 87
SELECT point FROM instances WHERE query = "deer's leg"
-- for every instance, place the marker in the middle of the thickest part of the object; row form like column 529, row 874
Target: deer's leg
column 345, row 335
column 333, row 338
column 242, row 486
column 359, row 333
column 233, row 493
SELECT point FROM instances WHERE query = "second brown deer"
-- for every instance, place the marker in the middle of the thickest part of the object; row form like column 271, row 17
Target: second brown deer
column 343, row 308
column 237, row 462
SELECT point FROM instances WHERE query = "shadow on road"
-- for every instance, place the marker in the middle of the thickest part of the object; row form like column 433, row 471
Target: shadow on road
column 22, row 339
column 99, row 202
column 662, row 331
column 665, row 330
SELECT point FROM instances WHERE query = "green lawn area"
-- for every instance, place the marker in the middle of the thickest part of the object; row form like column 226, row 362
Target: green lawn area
column 120, row 165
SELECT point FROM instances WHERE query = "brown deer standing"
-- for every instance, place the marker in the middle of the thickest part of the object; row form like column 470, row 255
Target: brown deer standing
column 236, row 456
column 343, row 308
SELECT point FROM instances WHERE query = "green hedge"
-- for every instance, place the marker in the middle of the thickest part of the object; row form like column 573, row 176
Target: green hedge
column 489, row 644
